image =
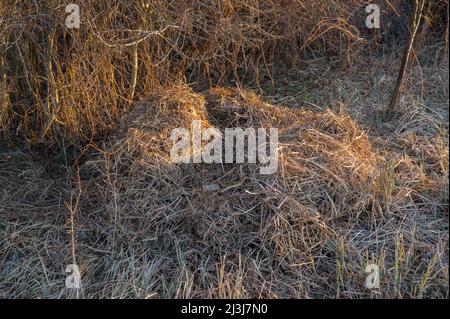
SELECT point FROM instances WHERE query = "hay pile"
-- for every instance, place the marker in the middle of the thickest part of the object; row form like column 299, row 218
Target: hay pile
column 254, row 236
column 140, row 226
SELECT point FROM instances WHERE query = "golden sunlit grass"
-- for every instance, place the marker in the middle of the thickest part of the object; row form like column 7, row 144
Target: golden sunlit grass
column 57, row 77
column 87, row 178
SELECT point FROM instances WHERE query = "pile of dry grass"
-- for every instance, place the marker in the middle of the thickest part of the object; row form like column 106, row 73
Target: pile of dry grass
column 141, row 226
column 152, row 229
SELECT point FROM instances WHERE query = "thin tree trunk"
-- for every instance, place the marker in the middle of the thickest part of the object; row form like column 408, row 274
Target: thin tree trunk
column 414, row 26
column 134, row 70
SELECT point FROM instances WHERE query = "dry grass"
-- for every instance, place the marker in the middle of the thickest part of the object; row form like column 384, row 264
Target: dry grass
column 56, row 78
column 350, row 189
column 147, row 228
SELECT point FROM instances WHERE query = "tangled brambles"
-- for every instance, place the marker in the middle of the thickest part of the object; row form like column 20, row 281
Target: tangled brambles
column 74, row 84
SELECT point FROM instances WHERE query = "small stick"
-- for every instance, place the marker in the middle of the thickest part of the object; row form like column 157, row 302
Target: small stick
column 134, row 71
